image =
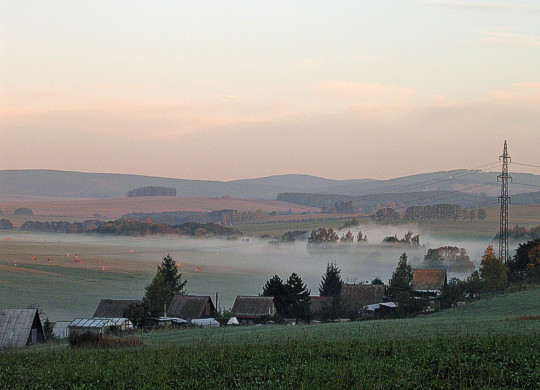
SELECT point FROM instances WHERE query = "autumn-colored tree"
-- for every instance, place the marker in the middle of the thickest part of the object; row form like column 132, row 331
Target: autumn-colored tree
column 492, row 270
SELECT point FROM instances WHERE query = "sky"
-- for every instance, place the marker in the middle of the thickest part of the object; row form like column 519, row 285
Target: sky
column 223, row 90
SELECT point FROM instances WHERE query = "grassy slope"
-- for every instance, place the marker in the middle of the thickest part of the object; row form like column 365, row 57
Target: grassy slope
column 480, row 345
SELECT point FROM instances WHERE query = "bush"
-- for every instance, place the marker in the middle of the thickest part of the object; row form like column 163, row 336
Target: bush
column 96, row 340
column 5, row 224
column 23, row 211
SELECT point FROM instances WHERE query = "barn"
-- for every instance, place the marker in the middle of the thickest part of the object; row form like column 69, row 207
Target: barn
column 20, row 327
column 249, row 309
column 190, row 307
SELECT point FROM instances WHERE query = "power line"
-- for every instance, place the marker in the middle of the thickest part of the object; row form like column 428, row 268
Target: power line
column 525, row 165
column 525, row 184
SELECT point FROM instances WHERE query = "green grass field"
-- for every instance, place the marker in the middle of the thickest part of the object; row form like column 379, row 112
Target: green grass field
column 494, row 343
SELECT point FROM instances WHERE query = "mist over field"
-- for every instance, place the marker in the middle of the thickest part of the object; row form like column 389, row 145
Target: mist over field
column 66, row 286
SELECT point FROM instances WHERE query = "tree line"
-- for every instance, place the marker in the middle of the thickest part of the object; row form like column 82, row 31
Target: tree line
column 437, row 212
column 129, row 227
column 151, row 191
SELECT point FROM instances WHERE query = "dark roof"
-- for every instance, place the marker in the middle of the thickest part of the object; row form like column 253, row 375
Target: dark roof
column 253, row 307
column 429, row 279
column 356, row 296
column 16, row 327
column 317, row 304
column 189, row 306
column 114, row 308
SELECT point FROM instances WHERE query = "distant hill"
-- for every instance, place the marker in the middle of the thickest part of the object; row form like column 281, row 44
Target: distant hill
column 43, row 184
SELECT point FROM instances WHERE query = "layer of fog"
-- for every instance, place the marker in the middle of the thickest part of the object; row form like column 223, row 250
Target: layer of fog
column 240, row 267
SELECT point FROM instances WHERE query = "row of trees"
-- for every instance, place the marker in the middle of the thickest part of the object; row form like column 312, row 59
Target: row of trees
column 322, row 235
column 450, row 258
column 408, row 239
column 437, row 212
column 152, row 191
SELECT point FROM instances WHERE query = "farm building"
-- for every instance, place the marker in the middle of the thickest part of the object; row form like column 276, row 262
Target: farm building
column 90, row 325
column 60, row 329
column 320, row 305
column 250, row 309
column 114, row 308
column 355, row 296
column 191, row 307
column 429, row 281
column 20, row 327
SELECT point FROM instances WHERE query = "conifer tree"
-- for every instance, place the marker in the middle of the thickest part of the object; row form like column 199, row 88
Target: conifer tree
column 275, row 287
column 300, row 303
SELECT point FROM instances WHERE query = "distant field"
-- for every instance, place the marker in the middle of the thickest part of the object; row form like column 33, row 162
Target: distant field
column 116, row 207
column 528, row 216
column 488, row 344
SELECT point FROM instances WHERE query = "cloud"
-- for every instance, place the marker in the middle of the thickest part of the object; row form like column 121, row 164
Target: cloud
column 309, row 62
column 380, row 141
column 510, row 39
column 483, row 5
column 365, row 93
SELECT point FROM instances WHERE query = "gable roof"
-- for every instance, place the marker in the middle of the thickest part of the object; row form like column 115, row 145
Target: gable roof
column 189, row 306
column 16, row 327
column 253, row 307
column 429, row 279
column 114, row 308
column 318, row 304
column 356, row 296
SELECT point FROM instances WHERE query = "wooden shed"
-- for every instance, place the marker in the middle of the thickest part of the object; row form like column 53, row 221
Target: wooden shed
column 20, row 327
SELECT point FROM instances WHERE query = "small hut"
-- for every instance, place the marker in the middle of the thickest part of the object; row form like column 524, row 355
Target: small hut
column 20, row 327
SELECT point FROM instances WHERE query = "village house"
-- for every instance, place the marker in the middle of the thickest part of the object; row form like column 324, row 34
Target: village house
column 191, row 307
column 428, row 284
column 355, row 296
column 114, row 308
column 320, row 306
column 249, row 309
column 20, row 327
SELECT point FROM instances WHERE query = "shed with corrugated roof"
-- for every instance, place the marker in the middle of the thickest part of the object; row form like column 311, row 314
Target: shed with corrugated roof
column 20, row 327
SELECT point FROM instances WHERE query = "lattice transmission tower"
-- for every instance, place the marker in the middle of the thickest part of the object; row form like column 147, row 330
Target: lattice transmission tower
column 504, row 200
